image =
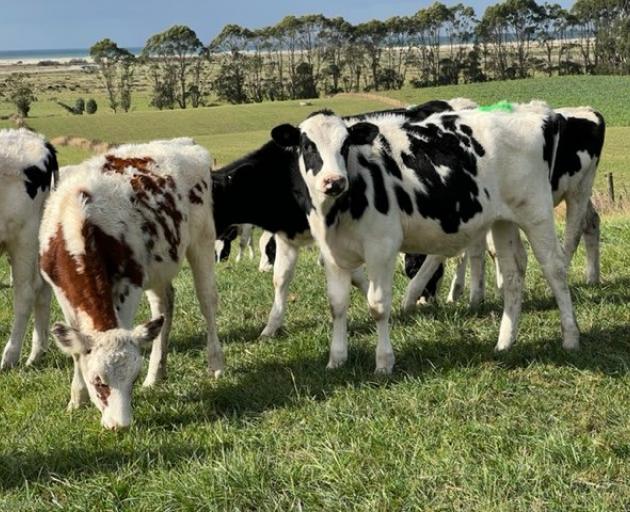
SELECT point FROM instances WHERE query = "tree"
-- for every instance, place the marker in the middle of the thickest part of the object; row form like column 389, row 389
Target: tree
column 116, row 66
column 79, row 105
column 231, row 81
column 176, row 51
column 20, row 92
column 91, row 107
column 371, row 36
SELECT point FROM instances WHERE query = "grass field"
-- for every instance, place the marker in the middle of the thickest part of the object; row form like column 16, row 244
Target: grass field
column 455, row 428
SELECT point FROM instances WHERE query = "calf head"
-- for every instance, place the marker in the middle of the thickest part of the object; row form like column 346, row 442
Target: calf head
column 322, row 143
column 110, row 362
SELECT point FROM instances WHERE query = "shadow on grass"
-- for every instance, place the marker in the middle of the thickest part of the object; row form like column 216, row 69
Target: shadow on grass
column 297, row 378
column 269, row 385
column 82, row 462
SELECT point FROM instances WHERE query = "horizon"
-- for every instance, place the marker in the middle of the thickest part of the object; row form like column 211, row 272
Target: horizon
column 76, row 26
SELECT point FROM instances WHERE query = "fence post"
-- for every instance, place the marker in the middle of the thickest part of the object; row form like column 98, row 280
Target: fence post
column 611, row 187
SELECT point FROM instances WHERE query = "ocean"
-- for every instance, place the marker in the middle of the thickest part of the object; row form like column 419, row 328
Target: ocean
column 62, row 53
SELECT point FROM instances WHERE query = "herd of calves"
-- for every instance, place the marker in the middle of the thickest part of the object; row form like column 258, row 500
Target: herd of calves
column 443, row 179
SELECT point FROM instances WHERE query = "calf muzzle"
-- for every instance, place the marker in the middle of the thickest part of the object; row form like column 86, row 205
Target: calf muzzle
column 334, row 186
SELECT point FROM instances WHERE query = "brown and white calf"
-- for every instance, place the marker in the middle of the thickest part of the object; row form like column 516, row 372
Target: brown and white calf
column 28, row 169
column 118, row 224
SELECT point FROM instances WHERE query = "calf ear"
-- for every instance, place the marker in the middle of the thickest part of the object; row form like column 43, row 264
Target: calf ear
column 286, row 135
column 363, row 133
column 145, row 334
column 70, row 340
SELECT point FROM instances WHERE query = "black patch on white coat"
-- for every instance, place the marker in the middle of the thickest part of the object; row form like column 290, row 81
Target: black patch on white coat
column 454, row 199
column 381, row 201
column 312, row 159
column 413, row 262
column 42, row 179
column 576, row 135
column 353, row 200
column 550, row 132
column 270, row 250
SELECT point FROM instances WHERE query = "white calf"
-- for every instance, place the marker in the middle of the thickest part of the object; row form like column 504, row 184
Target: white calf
column 28, row 168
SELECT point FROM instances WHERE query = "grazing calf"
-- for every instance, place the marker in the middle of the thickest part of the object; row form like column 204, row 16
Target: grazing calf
column 581, row 139
column 265, row 188
column 28, row 169
column 390, row 185
column 118, row 224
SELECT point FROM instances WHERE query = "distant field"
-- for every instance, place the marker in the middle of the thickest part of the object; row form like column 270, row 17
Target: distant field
column 229, row 131
column 609, row 94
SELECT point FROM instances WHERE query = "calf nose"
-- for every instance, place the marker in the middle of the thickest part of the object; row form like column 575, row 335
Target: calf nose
column 334, row 185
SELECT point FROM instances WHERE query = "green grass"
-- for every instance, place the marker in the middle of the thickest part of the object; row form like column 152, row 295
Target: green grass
column 456, row 427
column 609, row 94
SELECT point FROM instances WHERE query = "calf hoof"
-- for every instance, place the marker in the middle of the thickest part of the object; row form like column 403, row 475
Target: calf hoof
column 152, row 380
column 34, row 359
column 216, row 373
column 337, row 361
column 9, row 360
column 73, row 405
column 408, row 307
column 571, row 344
column 385, row 364
column 269, row 332
column 502, row 347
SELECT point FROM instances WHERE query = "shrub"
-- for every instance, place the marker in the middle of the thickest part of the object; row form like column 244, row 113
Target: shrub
column 91, row 107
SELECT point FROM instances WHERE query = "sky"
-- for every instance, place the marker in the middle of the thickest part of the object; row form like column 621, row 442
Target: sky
column 55, row 24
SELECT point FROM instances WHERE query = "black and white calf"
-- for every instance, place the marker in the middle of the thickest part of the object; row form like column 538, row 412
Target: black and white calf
column 377, row 188
column 223, row 244
column 28, row 169
column 581, row 139
column 265, row 188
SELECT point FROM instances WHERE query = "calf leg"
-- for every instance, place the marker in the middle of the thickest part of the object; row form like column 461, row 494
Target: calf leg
column 417, row 285
column 360, row 281
column 576, row 215
column 338, row 283
column 459, row 278
column 78, row 390
column 24, row 270
column 510, row 250
column 476, row 254
column 381, row 274
column 283, row 271
column 202, row 266
column 161, row 303
column 39, row 345
column 546, row 248
column 591, row 244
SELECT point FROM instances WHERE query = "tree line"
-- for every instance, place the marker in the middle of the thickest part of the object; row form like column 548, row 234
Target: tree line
column 305, row 56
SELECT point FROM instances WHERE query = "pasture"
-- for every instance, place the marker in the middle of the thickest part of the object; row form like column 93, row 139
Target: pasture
column 455, row 426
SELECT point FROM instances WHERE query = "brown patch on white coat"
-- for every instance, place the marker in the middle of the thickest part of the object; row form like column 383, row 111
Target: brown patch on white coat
column 118, row 225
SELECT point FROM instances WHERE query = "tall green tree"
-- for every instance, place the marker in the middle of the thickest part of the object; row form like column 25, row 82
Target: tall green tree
column 175, row 52
column 116, row 66
column 19, row 91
